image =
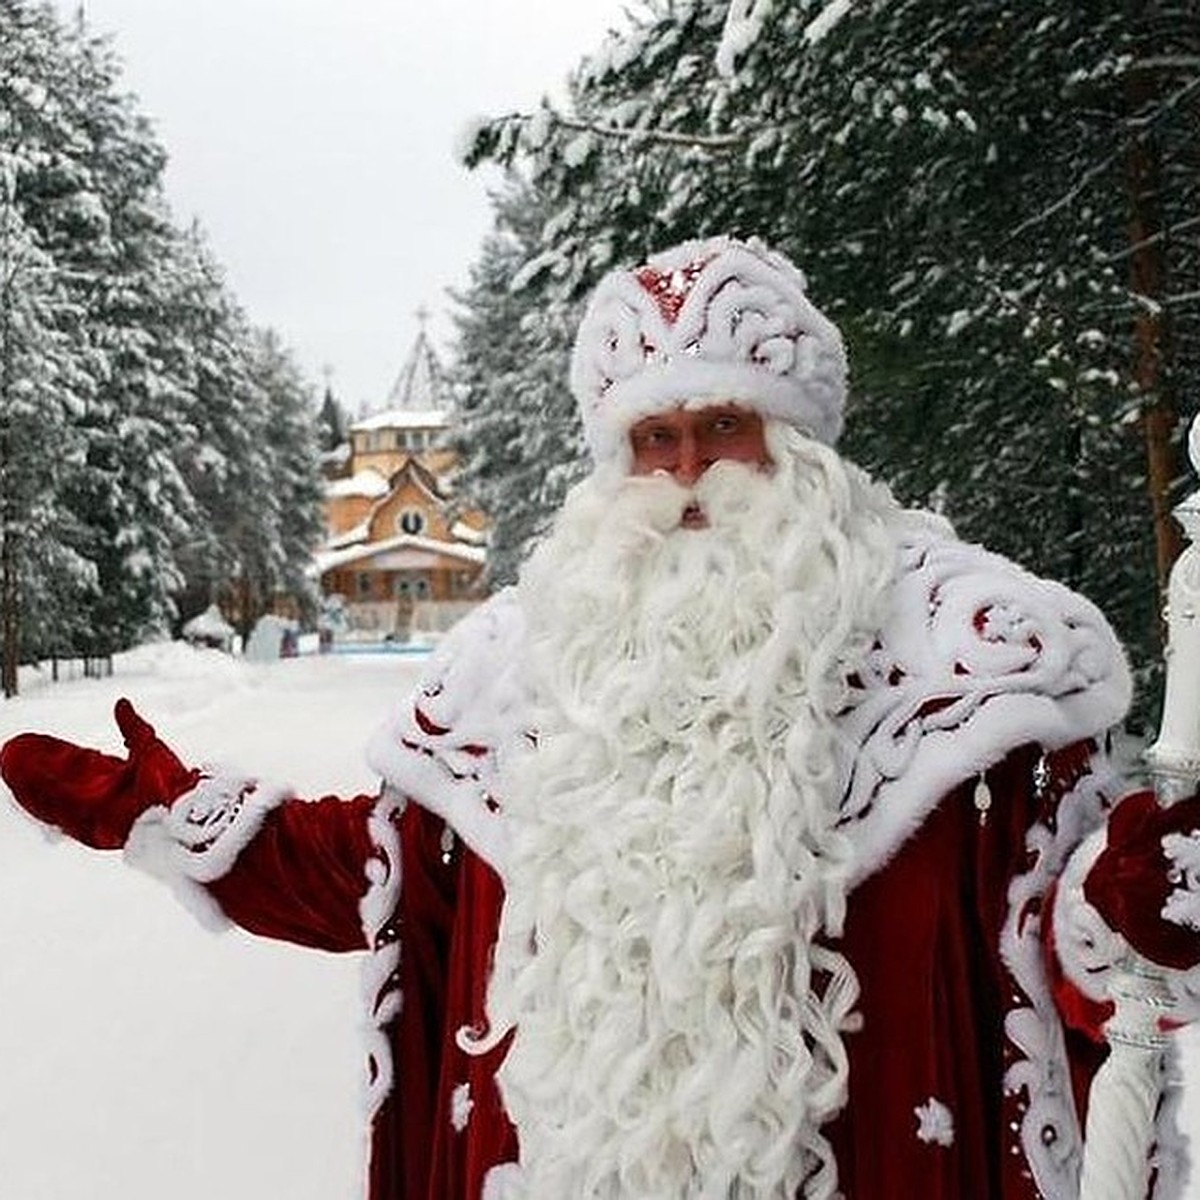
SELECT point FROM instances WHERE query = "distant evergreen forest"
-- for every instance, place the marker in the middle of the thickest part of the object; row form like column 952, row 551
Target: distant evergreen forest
column 157, row 451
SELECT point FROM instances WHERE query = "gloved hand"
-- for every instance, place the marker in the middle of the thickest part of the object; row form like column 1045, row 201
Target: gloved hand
column 1134, row 878
column 94, row 797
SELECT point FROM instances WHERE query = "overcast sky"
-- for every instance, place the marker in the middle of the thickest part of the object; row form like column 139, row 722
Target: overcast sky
column 314, row 140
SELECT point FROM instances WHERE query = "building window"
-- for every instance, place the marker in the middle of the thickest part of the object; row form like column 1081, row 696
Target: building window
column 416, row 586
column 364, row 584
column 411, row 521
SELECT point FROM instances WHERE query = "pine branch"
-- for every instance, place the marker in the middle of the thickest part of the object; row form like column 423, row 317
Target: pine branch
column 1072, row 194
column 1179, row 298
column 663, row 136
column 1161, row 235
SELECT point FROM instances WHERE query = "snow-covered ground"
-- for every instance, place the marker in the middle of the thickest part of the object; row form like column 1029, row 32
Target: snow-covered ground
column 142, row 1058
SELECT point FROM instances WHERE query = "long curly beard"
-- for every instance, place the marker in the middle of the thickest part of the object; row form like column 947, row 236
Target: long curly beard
column 677, row 1023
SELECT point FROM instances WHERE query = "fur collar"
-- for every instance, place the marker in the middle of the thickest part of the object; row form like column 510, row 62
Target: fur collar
column 976, row 658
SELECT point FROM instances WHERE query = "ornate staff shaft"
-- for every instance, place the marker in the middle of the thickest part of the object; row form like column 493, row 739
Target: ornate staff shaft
column 1126, row 1090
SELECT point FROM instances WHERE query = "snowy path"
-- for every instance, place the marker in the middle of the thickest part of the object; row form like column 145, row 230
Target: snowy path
column 142, row 1058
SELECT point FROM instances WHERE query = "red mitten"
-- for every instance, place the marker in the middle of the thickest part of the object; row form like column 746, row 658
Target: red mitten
column 1132, row 881
column 93, row 797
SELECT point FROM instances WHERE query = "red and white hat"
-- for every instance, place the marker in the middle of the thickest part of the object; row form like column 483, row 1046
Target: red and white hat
column 708, row 321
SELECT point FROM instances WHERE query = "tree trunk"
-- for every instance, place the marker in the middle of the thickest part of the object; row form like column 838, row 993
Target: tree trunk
column 10, row 634
column 1151, row 332
column 10, row 628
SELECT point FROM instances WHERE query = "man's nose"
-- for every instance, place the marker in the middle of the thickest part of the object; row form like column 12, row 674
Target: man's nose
column 690, row 463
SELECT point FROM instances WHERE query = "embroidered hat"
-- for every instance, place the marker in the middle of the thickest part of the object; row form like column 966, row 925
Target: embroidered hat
column 708, row 321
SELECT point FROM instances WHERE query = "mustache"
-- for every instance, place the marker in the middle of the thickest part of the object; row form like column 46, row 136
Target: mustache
column 662, row 505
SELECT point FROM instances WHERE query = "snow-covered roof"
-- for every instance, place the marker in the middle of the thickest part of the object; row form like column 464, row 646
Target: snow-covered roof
column 367, row 482
column 465, row 533
column 338, row 456
column 402, row 418
column 350, row 537
column 326, row 560
column 208, row 624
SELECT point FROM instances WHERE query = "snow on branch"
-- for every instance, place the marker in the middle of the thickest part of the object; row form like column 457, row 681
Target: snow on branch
column 502, row 139
column 669, row 137
column 829, row 17
column 1085, row 180
column 743, row 24
column 1162, row 235
column 1180, row 298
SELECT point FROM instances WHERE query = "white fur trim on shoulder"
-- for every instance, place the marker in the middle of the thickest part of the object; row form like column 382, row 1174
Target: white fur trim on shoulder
column 976, row 658
column 448, row 747
column 198, row 839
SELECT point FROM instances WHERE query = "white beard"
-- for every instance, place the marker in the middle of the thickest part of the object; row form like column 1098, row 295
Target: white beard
column 678, row 1026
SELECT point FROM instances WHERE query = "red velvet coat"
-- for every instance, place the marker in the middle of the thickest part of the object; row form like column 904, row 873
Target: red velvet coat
column 926, row 935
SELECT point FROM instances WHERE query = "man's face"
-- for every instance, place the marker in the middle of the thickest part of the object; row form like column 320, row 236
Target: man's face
column 684, row 443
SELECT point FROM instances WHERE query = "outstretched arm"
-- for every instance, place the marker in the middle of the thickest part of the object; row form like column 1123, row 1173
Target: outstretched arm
column 235, row 849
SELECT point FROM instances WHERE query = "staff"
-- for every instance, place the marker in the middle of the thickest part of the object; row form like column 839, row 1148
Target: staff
column 1126, row 1091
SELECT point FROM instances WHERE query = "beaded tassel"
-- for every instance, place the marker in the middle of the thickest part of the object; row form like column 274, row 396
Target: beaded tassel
column 983, row 799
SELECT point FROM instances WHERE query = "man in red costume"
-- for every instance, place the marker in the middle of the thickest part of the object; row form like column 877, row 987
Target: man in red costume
column 762, row 842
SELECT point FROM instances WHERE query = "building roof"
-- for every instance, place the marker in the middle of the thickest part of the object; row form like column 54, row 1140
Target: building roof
column 403, row 418
column 210, row 623
column 366, row 483
column 326, row 560
column 420, row 385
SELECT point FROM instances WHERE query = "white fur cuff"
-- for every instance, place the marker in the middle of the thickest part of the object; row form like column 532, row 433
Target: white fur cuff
column 198, row 839
column 1182, row 851
column 1090, row 952
column 1087, row 948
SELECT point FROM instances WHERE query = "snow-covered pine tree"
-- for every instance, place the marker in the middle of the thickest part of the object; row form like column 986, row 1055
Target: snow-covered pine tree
column 292, row 440
column 331, row 422
column 148, row 438
column 256, row 478
column 44, row 379
column 139, row 422
column 37, row 443
column 516, row 429
column 957, row 183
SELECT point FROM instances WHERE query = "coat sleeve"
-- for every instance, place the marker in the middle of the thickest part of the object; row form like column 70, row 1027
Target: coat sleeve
column 303, row 876
column 1129, row 889
column 236, row 850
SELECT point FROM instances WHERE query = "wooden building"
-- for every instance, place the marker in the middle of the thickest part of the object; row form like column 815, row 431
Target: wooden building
column 404, row 557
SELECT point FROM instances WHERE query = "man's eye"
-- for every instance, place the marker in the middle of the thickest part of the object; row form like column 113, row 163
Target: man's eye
column 727, row 424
